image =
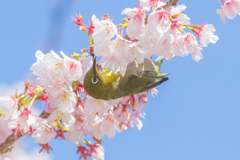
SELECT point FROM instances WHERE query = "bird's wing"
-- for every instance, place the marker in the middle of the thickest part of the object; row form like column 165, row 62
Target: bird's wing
column 147, row 80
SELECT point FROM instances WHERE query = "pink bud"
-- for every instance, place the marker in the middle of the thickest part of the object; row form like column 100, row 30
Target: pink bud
column 48, row 108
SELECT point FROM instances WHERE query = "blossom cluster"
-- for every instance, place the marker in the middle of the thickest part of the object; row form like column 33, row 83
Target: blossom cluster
column 161, row 33
column 72, row 110
column 230, row 9
column 19, row 146
column 150, row 30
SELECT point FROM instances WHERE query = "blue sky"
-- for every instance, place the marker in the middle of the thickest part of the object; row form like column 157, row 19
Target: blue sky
column 196, row 114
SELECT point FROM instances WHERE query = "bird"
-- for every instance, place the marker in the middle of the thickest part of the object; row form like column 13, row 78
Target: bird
column 135, row 79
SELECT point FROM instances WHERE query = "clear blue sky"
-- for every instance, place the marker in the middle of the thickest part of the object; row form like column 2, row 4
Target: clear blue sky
column 196, row 115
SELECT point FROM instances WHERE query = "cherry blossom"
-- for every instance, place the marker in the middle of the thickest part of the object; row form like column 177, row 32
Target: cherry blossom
column 108, row 126
column 136, row 23
column 63, row 100
column 115, row 54
column 76, row 133
column 104, row 30
column 8, row 106
column 60, row 133
column 44, row 132
column 86, row 65
column 207, row 35
column 45, row 147
column 77, row 115
column 26, row 119
column 66, row 117
column 230, row 9
column 159, row 21
column 136, row 119
column 96, row 106
column 72, row 68
column 84, row 152
column 136, row 51
column 180, row 18
column 149, row 4
column 96, row 151
column 121, row 114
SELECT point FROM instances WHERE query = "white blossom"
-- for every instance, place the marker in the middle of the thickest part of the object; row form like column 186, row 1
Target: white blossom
column 44, row 132
column 104, row 30
column 136, row 23
column 207, row 35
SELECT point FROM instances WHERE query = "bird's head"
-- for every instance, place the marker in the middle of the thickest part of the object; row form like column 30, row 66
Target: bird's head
column 93, row 81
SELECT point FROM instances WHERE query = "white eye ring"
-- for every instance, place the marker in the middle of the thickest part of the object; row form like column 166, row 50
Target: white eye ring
column 94, row 80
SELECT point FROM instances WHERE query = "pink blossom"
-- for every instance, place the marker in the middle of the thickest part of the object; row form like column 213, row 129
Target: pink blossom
column 72, row 68
column 44, row 132
column 8, row 106
column 124, row 126
column 55, row 73
column 230, row 9
column 136, row 51
column 207, row 35
column 159, row 21
column 76, row 133
column 149, row 4
column 66, row 117
column 178, row 47
column 45, row 147
column 114, row 53
column 99, row 106
column 181, row 18
column 193, row 47
column 48, row 108
column 44, row 96
column 108, row 126
column 137, row 101
column 153, row 91
column 26, row 119
column 136, row 23
column 96, row 151
column 166, row 48
column 104, row 30
column 60, row 133
column 136, row 119
column 84, row 152
column 121, row 114
column 43, row 62
column 92, row 125
column 91, row 26
column 86, row 62
column 78, row 20
column 63, row 100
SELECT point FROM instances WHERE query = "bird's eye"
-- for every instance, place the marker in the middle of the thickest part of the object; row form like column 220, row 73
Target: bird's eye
column 94, row 80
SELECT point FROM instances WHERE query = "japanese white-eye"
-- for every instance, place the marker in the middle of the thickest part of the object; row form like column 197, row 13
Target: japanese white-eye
column 135, row 79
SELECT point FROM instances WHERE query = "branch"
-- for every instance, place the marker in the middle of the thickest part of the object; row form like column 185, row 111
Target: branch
column 5, row 146
column 169, row 4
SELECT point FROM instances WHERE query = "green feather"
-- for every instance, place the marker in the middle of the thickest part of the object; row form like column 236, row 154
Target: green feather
column 136, row 78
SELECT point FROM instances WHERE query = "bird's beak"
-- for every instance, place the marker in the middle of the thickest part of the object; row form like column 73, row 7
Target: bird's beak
column 94, row 66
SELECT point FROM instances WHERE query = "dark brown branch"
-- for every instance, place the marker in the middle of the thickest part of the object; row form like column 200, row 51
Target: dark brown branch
column 5, row 146
column 92, row 51
column 44, row 115
column 169, row 4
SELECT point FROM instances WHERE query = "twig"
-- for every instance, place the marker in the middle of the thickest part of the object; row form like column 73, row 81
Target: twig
column 44, row 115
column 92, row 51
column 169, row 4
column 5, row 146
